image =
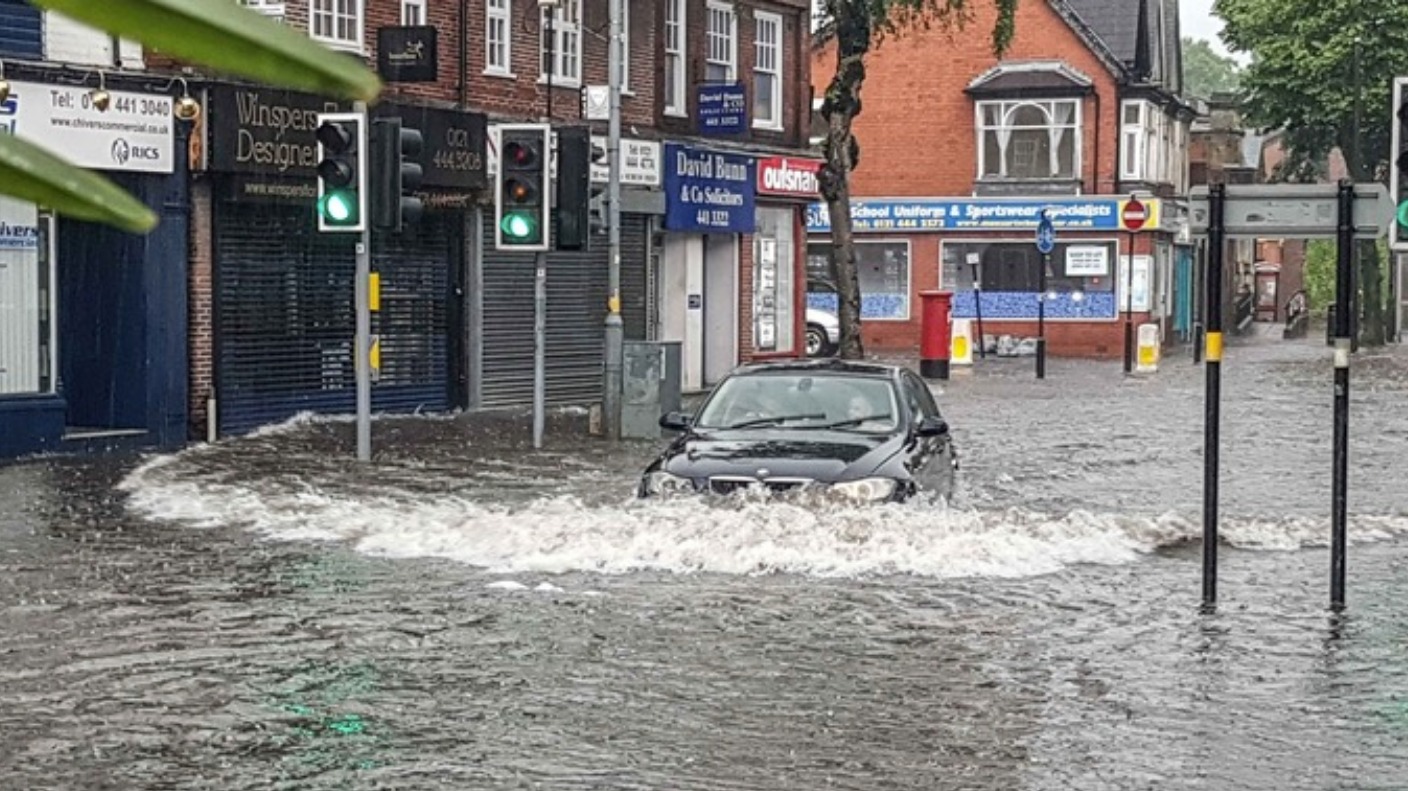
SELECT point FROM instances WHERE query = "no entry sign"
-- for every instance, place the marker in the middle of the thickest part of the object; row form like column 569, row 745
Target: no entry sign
column 1134, row 215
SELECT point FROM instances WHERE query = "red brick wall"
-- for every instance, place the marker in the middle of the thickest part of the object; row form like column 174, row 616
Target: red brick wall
column 916, row 130
column 200, row 331
column 796, row 93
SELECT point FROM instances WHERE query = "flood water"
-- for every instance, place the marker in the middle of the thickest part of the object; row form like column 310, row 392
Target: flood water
column 467, row 613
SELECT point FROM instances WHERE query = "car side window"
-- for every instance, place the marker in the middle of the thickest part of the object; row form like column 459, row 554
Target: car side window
column 921, row 399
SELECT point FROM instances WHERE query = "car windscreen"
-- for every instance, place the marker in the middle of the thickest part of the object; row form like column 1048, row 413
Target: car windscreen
column 802, row 400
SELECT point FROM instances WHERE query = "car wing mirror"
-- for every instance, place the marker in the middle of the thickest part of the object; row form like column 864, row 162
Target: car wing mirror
column 933, row 427
column 676, row 421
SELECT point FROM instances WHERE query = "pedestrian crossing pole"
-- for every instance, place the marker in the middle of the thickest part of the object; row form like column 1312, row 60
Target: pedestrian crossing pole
column 1217, row 245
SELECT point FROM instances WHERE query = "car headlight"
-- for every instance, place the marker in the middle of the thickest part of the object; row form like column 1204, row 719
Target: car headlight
column 866, row 489
column 665, row 483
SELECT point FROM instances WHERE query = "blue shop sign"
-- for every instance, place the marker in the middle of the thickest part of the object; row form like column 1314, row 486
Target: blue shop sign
column 708, row 191
column 882, row 215
column 723, row 109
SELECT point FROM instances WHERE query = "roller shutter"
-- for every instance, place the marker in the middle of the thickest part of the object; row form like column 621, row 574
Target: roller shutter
column 285, row 320
column 577, row 292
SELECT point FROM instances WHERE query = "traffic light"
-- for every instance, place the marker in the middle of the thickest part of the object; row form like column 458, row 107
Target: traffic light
column 520, row 194
column 342, row 172
column 1398, row 174
column 574, row 178
column 396, row 151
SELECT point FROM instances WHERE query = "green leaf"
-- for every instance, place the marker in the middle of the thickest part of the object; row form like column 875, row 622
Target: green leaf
column 30, row 173
column 228, row 37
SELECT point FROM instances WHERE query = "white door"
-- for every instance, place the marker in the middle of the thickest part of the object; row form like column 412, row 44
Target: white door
column 681, row 302
column 720, row 306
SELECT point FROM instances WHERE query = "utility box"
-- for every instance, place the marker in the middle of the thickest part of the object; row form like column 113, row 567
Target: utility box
column 650, row 386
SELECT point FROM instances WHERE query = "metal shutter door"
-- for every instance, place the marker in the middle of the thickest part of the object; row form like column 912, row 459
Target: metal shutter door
column 576, row 314
column 285, row 322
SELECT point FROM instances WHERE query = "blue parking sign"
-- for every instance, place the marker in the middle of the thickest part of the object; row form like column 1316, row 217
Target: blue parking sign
column 1045, row 234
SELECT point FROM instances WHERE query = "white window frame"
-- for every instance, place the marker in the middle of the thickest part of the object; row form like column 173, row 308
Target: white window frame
column 501, row 12
column 334, row 18
column 274, row 8
column 563, row 30
column 417, row 7
column 625, row 47
column 1074, row 126
column 711, row 36
column 1132, row 143
column 677, row 56
column 762, row 19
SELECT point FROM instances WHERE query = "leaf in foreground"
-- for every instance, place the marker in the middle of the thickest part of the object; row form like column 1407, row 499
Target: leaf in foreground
column 30, row 173
column 228, row 37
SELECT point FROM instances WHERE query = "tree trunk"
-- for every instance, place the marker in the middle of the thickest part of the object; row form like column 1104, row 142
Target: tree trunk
column 840, row 107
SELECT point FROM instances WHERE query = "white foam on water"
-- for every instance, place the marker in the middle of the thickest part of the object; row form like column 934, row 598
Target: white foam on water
column 562, row 534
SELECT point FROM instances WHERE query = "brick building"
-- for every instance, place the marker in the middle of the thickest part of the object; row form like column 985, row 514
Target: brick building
column 715, row 104
column 92, row 320
column 960, row 152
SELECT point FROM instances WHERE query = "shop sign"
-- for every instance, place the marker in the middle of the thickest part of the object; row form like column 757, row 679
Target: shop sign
column 272, row 133
column 265, row 131
column 709, row 191
column 723, row 109
column 407, row 54
column 454, row 153
column 135, row 134
column 888, row 215
column 789, row 177
column 1087, row 261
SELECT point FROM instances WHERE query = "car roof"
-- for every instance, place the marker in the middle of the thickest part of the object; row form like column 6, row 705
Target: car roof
column 821, row 367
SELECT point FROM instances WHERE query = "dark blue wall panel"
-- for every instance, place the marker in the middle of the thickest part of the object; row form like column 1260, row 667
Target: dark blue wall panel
column 21, row 31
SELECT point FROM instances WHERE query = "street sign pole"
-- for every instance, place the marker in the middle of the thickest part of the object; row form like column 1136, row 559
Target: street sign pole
column 1212, row 416
column 362, row 364
column 1133, row 217
column 1045, row 243
column 1344, row 326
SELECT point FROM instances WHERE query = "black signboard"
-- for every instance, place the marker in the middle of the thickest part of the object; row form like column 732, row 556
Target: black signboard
column 271, row 133
column 265, row 131
column 407, row 54
column 454, row 144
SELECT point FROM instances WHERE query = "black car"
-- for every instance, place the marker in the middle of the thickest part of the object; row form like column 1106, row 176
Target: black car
column 857, row 431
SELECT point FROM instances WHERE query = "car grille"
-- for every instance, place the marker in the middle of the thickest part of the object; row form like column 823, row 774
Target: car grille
column 728, row 484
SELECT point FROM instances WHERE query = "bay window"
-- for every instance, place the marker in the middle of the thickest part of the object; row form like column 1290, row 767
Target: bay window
column 1029, row 139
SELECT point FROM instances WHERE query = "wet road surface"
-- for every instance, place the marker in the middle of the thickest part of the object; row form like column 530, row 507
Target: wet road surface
column 469, row 614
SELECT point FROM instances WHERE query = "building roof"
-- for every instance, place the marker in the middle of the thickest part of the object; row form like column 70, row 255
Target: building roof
column 1143, row 36
column 1030, row 77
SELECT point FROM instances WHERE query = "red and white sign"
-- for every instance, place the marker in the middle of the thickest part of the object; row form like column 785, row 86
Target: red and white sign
column 1135, row 214
column 789, row 177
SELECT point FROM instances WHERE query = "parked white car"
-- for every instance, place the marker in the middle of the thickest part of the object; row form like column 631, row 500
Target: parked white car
column 823, row 332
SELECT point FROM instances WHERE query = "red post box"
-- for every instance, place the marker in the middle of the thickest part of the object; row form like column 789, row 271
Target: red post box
column 935, row 333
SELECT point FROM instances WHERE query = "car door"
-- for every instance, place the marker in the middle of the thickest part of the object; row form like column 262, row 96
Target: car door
column 933, row 455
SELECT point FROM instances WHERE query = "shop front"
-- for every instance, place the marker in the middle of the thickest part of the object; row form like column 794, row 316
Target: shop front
column 785, row 186
column 1098, row 274
column 282, row 295
column 710, row 209
column 92, row 319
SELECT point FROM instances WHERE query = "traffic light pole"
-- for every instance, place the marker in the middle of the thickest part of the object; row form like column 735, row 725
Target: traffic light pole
column 363, row 341
column 615, row 331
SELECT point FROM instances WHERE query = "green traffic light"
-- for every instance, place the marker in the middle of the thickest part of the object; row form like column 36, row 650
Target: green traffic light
column 518, row 226
column 338, row 207
column 1403, row 214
